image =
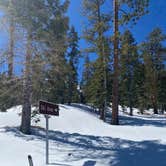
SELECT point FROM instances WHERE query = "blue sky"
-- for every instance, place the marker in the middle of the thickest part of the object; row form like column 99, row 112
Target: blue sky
column 155, row 18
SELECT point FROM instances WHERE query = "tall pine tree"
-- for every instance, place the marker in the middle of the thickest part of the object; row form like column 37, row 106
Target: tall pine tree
column 94, row 33
column 131, row 10
column 73, row 57
column 129, row 63
column 152, row 52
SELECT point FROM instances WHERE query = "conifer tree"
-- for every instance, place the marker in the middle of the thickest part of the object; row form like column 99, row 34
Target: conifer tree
column 162, row 90
column 26, row 12
column 12, row 40
column 95, row 35
column 140, row 98
column 45, row 25
column 73, row 57
column 38, row 78
column 134, row 9
column 54, row 37
column 11, row 83
column 7, row 7
column 152, row 52
column 87, row 75
column 129, row 63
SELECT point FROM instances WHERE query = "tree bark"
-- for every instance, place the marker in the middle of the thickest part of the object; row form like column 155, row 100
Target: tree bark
column 130, row 100
column 11, row 44
column 102, row 114
column 154, row 103
column 26, row 110
column 102, row 55
column 115, row 95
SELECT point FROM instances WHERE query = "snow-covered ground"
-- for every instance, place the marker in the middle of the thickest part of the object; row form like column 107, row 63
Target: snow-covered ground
column 79, row 138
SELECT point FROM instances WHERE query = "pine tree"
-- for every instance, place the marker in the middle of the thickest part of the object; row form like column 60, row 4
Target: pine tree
column 11, row 45
column 25, row 11
column 7, row 7
column 72, row 56
column 140, row 98
column 45, row 25
column 55, row 36
column 134, row 9
column 152, row 52
column 115, row 87
column 88, row 70
column 11, row 83
column 95, row 35
column 162, row 90
column 87, row 75
column 129, row 63
column 38, row 78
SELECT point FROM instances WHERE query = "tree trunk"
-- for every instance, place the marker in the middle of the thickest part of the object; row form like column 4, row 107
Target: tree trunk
column 11, row 45
column 102, row 113
column 130, row 104
column 155, row 109
column 130, row 100
column 142, row 110
column 162, row 109
column 154, row 103
column 102, row 54
column 115, row 95
column 131, row 111
column 26, row 110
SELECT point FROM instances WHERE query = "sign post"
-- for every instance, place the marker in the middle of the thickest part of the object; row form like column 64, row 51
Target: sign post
column 47, row 139
column 47, row 109
column 30, row 160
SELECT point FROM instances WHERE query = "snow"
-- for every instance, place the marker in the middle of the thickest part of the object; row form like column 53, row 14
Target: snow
column 80, row 138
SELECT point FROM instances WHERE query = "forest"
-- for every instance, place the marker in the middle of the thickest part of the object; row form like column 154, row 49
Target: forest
column 43, row 54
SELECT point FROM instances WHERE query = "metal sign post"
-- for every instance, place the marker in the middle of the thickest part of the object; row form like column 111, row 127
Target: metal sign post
column 47, row 109
column 47, row 139
column 30, row 160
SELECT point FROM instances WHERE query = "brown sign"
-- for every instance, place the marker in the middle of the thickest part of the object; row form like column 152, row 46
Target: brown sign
column 48, row 108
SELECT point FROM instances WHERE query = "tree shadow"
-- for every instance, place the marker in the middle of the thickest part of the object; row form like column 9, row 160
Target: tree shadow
column 106, row 150
column 138, row 121
column 89, row 163
column 125, row 119
column 59, row 164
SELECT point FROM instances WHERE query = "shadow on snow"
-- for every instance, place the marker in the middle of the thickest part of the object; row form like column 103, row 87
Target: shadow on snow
column 107, row 150
column 126, row 119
